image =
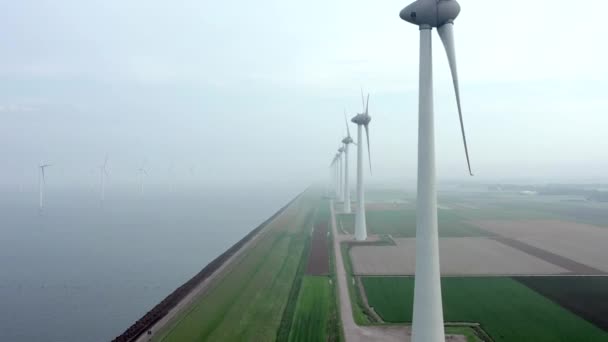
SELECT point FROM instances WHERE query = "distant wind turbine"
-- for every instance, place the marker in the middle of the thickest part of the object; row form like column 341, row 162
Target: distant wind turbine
column 362, row 120
column 335, row 177
column 142, row 172
column 41, row 183
column 346, row 141
column 340, row 175
column 332, row 177
column 427, row 322
column 104, row 172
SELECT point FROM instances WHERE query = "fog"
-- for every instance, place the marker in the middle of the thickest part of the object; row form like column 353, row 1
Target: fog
column 236, row 92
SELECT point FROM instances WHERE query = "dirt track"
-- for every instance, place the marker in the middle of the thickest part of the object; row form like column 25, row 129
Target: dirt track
column 352, row 331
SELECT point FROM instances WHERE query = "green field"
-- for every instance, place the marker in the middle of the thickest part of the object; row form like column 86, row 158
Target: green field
column 506, row 309
column 310, row 322
column 402, row 223
column 248, row 302
column 585, row 296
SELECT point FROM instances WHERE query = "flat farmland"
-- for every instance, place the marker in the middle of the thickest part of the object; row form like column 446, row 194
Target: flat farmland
column 459, row 256
column 383, row 206
column 506, row 309
column 581, row 243
column 402, row 223
column 248, row 300
column 592, row 214
column 313, row 310
column 585, row 296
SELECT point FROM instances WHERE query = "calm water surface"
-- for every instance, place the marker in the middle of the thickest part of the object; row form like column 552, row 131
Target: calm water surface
column 81, row 272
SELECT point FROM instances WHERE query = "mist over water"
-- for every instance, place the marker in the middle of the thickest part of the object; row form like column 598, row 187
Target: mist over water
column 82, row 272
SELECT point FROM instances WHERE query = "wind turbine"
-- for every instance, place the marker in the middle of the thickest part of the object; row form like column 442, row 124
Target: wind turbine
column 340, row 175
column 333, row 174
column 41, row 183
column 104, row 172
column 427, row 322
column 142, row 172
column 362, row 120
column 346, row 141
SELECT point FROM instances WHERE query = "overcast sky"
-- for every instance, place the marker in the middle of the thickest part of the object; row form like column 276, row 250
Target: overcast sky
column 254, row 90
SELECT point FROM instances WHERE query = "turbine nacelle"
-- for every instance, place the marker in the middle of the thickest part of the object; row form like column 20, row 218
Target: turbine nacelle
column 433, row 13
column 340, row 150
column 361, row 119
column 440, row 14
column 347, row 140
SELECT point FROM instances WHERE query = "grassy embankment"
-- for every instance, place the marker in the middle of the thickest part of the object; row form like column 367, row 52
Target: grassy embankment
column 310, row 322
column 506, row 309
column 247, row 302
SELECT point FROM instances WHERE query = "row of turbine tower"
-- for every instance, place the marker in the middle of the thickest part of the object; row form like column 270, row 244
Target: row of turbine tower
column 339, row 168
column 427, row 319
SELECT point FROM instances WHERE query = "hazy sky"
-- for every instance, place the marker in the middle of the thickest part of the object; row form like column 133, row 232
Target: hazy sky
column 254, row 90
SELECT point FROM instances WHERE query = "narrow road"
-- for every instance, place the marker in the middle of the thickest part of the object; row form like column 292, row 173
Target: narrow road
column 352, row 331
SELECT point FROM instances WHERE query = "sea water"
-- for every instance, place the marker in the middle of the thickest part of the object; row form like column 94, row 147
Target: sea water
column 82, row 271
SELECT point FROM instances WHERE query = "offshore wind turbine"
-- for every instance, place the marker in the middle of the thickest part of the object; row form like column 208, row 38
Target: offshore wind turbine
column 427, row 322
column 362, row 120
column 346, row 141
column 142, row 172
column 41, row 183
column 104, row 172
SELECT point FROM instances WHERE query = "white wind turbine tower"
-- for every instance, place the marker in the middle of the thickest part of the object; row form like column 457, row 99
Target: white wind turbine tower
column 346, row 141
column 336, row 163
column 340, row 175
column 333, row 174
column 104, row 172
column 362, row 120
column 41, row 183
column 142, row 172
column 427, row 322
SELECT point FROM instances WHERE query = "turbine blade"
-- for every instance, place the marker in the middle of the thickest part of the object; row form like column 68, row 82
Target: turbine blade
column 367, row 104
column 43, row 180
column 446, row 33
column 369, row 155
column 346, row 123
column 362, row 99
